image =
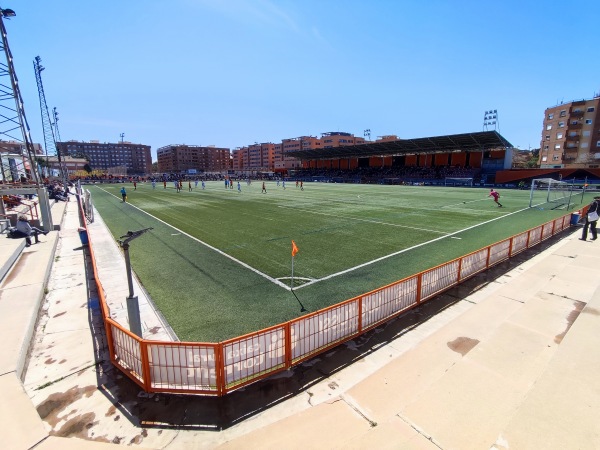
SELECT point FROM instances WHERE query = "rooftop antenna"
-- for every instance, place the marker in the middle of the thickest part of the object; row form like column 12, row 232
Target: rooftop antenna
column 122, row 136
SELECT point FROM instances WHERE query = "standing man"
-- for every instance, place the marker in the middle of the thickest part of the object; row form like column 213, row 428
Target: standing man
column 264, row 189
column 124, row 194
column 189, row 185
column 153, row 183
column 301, row 185
column 135, row 185
column 496, row 196
column 203, row 185
column 239, row 187
column 591, row 219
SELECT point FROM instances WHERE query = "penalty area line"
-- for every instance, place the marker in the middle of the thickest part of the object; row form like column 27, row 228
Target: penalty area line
column 241, row 263
column 450, row 235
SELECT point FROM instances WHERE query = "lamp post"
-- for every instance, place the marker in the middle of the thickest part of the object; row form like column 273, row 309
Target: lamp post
column 133, row 307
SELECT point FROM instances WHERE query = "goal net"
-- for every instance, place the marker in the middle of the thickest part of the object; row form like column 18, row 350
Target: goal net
column 449, row 181
column 554, row 193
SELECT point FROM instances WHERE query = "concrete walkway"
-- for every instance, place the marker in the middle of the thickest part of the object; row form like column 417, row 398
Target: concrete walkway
column 511, row 365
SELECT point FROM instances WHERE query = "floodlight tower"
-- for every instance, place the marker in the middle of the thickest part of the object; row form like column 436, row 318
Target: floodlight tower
column 63, row 167
column 490, row 118
column 49, row 140
column 12, row 111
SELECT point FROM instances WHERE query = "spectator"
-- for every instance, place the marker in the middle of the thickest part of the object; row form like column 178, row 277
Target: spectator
column 25, row 230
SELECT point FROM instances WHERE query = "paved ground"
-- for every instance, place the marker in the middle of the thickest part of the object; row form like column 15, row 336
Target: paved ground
column 508, row 360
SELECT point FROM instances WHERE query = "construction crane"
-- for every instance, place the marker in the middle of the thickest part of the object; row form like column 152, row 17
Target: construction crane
column 47, row 125
column 12, row 111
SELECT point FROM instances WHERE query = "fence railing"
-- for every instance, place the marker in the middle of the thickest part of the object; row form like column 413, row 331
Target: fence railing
column 218, row 368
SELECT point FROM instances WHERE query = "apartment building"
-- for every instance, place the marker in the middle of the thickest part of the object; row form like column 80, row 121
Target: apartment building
column 182, row 158
column 270, row 157
column 571, row 135
column 136, row 158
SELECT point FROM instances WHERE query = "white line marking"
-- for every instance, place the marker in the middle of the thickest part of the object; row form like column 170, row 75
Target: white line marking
column 363, row 220
column 404, row 250
column 264, row 275
column 464, row 203
column 317, row 280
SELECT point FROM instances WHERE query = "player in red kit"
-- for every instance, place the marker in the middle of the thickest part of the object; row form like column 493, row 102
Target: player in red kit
column 496, row 196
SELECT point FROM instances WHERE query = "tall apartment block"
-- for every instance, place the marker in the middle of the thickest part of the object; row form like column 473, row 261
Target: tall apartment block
column 192, row 159
column 571, row 135
column 134, row 158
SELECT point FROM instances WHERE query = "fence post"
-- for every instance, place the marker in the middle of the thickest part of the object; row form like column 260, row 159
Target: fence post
column 360, row 308
column 419, row 282
column 145, row 365
column 288, row 345
column 220, row 369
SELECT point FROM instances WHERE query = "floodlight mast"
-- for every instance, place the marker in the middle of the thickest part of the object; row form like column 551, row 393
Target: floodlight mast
column 19, row 120
column 133, row 307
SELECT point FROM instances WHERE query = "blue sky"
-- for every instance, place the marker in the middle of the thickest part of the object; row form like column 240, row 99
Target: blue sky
column 233, row 72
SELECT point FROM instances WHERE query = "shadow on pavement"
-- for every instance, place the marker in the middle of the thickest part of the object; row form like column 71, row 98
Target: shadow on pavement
column 174, row 411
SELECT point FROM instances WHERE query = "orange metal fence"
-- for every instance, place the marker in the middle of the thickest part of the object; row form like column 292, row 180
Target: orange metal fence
column 219, row 368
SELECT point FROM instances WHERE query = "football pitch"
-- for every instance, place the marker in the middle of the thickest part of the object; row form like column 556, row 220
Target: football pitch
column 218, row 261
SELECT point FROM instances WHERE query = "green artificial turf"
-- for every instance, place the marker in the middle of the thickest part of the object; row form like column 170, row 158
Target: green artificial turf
column 211, row 261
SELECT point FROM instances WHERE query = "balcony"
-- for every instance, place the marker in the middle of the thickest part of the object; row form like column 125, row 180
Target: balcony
column 576, row 113
column 573, row 138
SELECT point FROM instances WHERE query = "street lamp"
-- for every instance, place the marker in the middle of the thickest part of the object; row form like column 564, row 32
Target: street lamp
column 133, row 307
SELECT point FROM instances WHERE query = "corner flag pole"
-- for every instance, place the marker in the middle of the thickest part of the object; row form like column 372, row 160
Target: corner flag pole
column 294, row 251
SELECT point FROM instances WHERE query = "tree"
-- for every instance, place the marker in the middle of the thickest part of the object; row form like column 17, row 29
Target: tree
column 87, row 168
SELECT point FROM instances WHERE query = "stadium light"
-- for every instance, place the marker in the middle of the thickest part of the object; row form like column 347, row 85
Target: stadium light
column 133, row 307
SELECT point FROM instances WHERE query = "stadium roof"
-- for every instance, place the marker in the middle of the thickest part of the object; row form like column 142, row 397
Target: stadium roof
column 467, row 142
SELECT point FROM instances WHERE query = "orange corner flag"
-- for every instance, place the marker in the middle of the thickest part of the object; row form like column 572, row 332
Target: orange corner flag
column 294, row 249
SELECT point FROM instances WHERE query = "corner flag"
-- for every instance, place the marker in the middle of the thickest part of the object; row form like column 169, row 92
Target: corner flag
column 294, row 249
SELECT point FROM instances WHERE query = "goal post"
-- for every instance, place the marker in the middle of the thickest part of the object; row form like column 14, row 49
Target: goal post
column 556, row 193
column 452, row 181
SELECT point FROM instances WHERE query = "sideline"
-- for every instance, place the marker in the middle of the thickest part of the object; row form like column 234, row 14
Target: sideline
column 243, row 264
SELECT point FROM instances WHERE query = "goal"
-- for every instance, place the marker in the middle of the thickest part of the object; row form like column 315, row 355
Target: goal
column 557, row 194
column 449, row 181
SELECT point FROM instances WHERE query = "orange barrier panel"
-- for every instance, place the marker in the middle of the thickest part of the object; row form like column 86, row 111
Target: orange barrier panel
column 219, row 368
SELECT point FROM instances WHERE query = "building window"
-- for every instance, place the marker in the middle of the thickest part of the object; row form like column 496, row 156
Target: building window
column 544, row 158
column 555, row 158
column 547, row 137
column 586, row 133
column 574, row 122
column 563, row 113
column 561, row 124
column 550, row 116
column 548, row 127
column 584, row 145
column 591, row 109
column 557, row 146
column 546, row 147
column 559, row 135
column 588, row 121
column 598, row 144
